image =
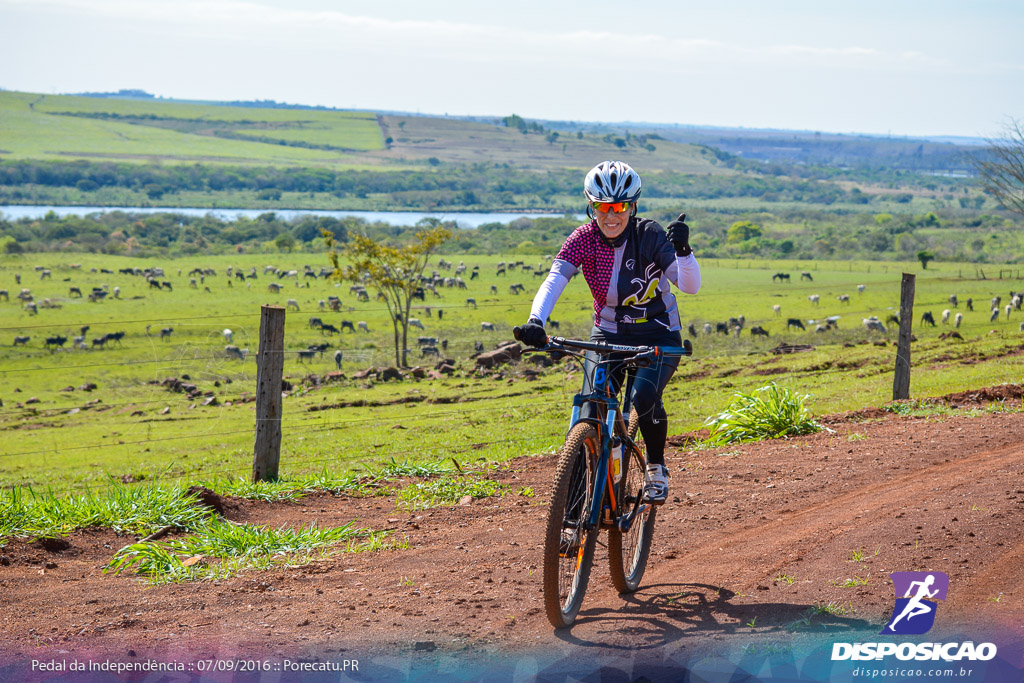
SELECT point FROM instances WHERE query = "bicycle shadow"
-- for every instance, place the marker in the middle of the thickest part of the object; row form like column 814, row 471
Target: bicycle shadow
column 661, row 614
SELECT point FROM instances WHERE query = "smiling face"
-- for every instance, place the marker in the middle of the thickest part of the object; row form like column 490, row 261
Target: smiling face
column 612, row 224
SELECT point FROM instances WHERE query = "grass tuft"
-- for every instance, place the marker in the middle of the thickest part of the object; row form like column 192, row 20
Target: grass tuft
column 219, row 549
column 770, row 412
column 447, row 490
column 125, row 509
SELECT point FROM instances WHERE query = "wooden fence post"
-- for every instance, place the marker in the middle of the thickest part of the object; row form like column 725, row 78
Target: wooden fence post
column 269, row 369
column 901, row 377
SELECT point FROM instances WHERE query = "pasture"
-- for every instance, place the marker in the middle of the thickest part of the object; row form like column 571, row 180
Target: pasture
column 136, row 426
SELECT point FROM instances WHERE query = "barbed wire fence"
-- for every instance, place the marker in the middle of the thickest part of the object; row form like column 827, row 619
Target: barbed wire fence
column 216, row 366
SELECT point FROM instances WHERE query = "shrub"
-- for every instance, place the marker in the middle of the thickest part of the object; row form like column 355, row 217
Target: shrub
column 770, row 412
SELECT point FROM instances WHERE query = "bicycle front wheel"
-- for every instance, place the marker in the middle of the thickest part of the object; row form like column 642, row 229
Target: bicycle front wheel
column 628, row 551
column 568, row 545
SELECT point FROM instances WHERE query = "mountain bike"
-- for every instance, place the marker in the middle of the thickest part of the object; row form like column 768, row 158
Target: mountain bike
column 599, row 481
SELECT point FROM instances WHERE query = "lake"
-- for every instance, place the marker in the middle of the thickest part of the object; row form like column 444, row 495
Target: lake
column 401, row 218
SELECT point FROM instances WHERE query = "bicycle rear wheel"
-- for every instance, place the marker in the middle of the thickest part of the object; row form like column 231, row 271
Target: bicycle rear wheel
column 628, row 551
column 568, row 546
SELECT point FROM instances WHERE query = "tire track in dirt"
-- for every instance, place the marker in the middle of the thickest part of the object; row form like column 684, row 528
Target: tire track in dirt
column 742, row 550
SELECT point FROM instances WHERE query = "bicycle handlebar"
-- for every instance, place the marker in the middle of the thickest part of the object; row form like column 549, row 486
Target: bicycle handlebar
column 555, row 343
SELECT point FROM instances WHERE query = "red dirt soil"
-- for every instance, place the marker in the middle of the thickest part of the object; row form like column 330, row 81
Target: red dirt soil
column 939, row 493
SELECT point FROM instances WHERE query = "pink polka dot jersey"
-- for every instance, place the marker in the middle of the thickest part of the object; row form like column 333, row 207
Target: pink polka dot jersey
column 586, row 249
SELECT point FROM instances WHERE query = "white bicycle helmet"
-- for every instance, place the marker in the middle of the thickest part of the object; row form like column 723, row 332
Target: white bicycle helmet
column 612, row 181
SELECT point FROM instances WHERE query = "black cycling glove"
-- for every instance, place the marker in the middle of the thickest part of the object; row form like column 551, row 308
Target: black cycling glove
column 678, row 233
column 533, row 334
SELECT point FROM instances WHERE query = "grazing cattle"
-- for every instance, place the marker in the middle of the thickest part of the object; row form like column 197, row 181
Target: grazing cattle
column 861, row 288
column 167, row 286
column 165, row 333
column 154, row 284
column 228, row 335
column 192, row 283
column 970, row 304
column 820, row 328
column 777, row 309
column 273, row 288
column 806, row 276
column 322, row 304
column 45, row 273
column 844, row 298
column 99, row 341
column 996, row 300
column 362, row 295
column 429, row 351
column 945, row 316
column 415, row 322
column 419, row 293
column 334, row 303
column 722, row 328
column 501, row 271
column 471, row 302
column 487, row 327
column 813, row 298
column 953, row 300
column 515, row 289
column 927, row 317
column 363, row 326
column 79, row 342
column 553, row 324
column 21, row 341
column 494, row 289
column 795, row 322
column 315, row 323
column 692, row 330
column 894, row 319
column 347, row 325
column 1022, row 327
column 426, row 341
column 85, row 328
column 306, row 354
column 327, row 328
column 707, row 328
column 337, row 359
column 781, row 277
column 758, row 331
column 31, row 308
column 72, row 291
column 117, row 292
column 115, row 336
column 959, row 318
column 873, row 323
column 1008, row 309
column 319, row 348
column 1016, row 301
column 55, row 341
column 478, row 346
column 292, row 303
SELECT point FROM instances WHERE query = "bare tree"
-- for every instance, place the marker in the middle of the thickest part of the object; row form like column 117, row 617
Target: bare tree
column 1001, row 167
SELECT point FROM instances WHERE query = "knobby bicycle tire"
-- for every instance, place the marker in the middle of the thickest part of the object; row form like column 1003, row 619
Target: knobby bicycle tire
column 628, row 552
column 568, row 548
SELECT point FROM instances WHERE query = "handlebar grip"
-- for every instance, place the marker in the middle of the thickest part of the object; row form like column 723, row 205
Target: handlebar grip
column 517, row 333
column 688, row 345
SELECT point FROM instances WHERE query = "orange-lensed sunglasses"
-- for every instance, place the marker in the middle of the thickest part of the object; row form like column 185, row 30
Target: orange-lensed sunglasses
column 611, row 207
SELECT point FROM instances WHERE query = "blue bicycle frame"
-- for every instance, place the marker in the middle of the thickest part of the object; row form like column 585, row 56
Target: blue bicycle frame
column 608, row 412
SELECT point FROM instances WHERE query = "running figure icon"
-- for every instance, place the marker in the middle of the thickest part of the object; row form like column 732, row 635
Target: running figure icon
column 916, row 596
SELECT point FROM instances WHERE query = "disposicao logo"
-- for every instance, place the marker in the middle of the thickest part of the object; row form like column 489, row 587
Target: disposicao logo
column 916, row 596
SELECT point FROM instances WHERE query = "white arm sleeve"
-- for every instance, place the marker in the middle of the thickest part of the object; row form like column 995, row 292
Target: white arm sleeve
column 685, row 272
column 552, row 288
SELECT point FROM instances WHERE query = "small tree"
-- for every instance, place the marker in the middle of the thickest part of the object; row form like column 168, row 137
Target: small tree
column 1001, row 167
column 393, row 272
column 924, row 257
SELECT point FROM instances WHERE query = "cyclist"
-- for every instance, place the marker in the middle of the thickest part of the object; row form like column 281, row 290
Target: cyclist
column 627, row 262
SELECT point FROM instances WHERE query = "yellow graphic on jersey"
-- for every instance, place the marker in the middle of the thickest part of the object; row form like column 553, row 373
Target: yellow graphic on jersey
column 648, row 288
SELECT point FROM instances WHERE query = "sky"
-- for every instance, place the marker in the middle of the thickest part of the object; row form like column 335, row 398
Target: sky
column 900, row 67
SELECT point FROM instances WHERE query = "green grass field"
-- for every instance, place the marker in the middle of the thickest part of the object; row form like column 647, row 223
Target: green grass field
column 133, row 428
